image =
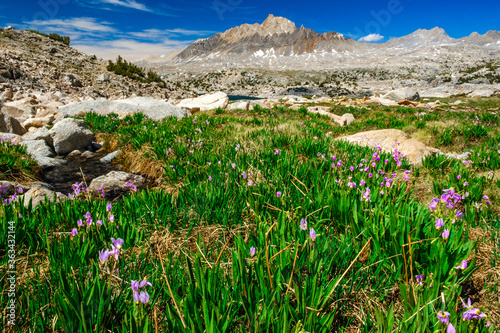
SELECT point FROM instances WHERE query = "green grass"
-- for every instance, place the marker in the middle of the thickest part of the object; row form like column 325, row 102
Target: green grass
column 15, row 165
column 238, row 180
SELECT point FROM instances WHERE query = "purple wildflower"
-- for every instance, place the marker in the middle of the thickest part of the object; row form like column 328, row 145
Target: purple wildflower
column 444, row 317
column 134, row 285
column 420, row 279
column 103, row 255
column 462, row 266
column 365, row 196
column 446, row 234
column 117, row 242
column 109, row 206
column 303, row 224
column 74, row 232
column 439, row 223
column 459, row 214
column 145, row 282
column 144, row 297
column 278, row 194
column 252, row 251
column 312, row 234
column 434, row 203
column 136, row 296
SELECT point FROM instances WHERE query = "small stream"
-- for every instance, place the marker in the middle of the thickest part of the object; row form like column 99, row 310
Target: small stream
column 78, row 169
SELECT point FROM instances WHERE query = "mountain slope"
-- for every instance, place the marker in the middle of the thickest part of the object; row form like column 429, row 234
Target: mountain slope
column 30, row 62
column 422, row 38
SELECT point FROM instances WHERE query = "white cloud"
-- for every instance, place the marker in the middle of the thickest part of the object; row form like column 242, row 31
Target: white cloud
column 127, row 3
column 74, row 27
column 371, row 38
column 129, row 49
column 101, row 38
column 156, row 33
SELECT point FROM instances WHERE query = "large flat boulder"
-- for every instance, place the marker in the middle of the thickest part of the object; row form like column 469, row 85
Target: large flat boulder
column 117, row 183
column 239, row 106
column 153, row 108
column 205, row 102
column 389, row 140
column 70, row 134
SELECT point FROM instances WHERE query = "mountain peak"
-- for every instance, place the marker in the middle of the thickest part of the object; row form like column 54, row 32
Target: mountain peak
column 273, row 25
column 276, row 24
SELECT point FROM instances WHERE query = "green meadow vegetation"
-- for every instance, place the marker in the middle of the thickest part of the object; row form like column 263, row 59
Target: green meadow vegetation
column 261, row 221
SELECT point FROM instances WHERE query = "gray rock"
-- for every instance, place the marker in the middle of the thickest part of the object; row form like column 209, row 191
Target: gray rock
column 395, row 95
column 9, row 124
column 47, row 163
column 110, row 157
column 38, row 148
column 40, row 134
column 239, row 106
column 103, row 78
column 40, row 194
column 96, row 146
column 115, row 183
column 349, row 118
column 151, row 107
column 18, row 109
column 75, row 153
column 482, row 92
column 7, row 95
column 9, row 188
column 10, row 137
column 70, row 134
column 402, row 94
column 87, row 154
column 38, row 122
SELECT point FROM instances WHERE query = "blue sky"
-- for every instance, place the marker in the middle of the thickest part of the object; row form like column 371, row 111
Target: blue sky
column 137, row 28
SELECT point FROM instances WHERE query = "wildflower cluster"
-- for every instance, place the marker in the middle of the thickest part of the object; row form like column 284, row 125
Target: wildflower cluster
column 11, row 199
column 446, row 212
column 140, row 296
column 114, row 252
column 80, row 192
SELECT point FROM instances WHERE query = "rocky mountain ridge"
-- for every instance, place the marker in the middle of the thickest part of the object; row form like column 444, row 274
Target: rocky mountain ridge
column 277, row 58
column 276, row 36
column 278, row 43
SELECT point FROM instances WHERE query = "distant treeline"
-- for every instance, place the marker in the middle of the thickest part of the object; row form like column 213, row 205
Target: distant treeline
column 56, row 37
column 125, row 68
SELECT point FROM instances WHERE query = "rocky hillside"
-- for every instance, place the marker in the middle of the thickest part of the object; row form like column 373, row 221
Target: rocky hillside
column 31, row 63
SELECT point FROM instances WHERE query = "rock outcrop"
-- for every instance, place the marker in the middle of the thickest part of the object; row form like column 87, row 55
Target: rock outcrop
column 390, row 140
column 205, row 102
column 153, row 108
